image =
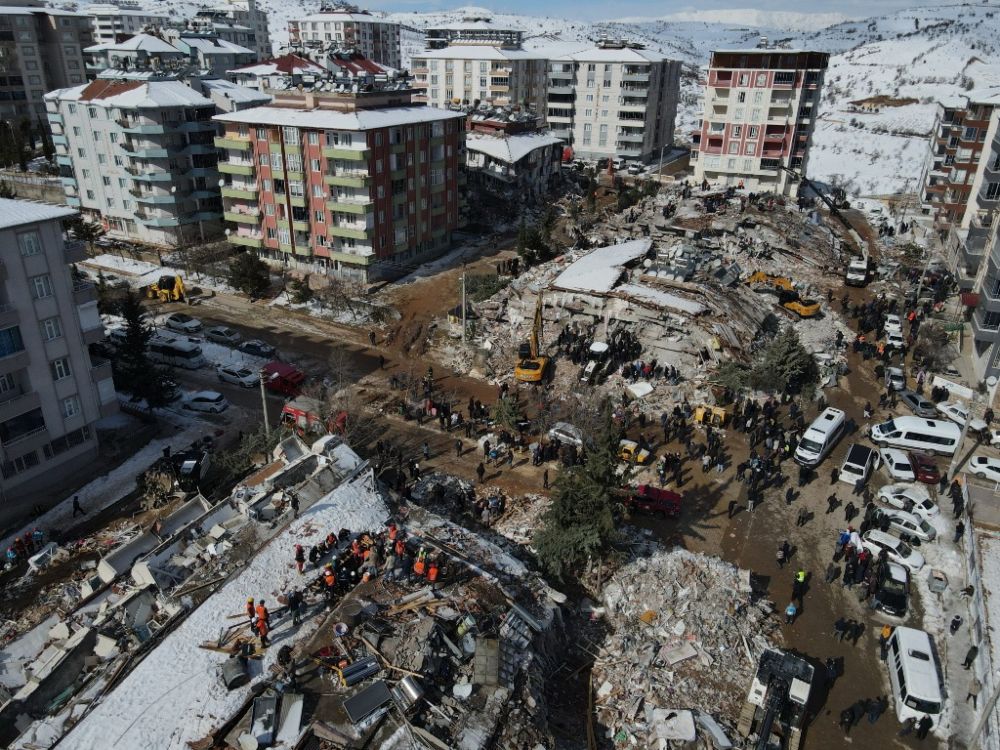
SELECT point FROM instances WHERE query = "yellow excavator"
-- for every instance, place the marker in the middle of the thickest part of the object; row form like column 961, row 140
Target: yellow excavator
column 788, row 296
column 531, row 365
column 765, row 282
column 167, row 289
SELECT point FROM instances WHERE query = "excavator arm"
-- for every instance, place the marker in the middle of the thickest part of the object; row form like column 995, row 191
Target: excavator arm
column 822, row 196
column 536, row 327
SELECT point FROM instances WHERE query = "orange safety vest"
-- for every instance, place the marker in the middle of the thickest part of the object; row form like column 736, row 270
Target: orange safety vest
column 262, row 627
column 250, row 610
column 432, row 572
column 330, row 579
column 400, row 547
column 392, row 533
column 261, row 612
column 418, row 566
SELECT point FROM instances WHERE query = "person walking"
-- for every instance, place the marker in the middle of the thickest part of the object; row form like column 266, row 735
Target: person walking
column 970, row 656
column 77, row 508
column 832, row 571
column 458, row 448
column 831, row 504
column 840, row 628
column 300, row 558
column 803, row 517
column 850, row 510
column 426, row 451
column 251, row 610
column 545, row 479
column 789, row 496
column 956, row 623
column 834, row 475
column 295, row 606
column 294, row 502
column 732, row 508
column 907, row 727
column 790, row 612
column 480, row 472
column 875, row 708
column 959, row 531
column 780, row 556
column 924, row 727
column 974, row 689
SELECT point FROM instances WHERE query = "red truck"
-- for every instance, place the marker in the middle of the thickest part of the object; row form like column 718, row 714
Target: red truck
column 648, row 499
column 303, row 414
column 281, row 377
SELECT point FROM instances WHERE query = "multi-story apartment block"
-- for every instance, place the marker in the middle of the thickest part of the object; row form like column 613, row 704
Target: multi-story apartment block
column 362, row 186
column 467, row 74
column 51, row 391
column 174, row 51
column 474, row 30
column 138, row 156
column 237, row 21
column 758, row 116
column 327, row 69
column 348, row 28
column 41, row 49
column 614, row 100
column 114, row 23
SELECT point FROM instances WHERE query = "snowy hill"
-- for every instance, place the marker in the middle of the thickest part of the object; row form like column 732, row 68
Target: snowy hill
column 789, row 21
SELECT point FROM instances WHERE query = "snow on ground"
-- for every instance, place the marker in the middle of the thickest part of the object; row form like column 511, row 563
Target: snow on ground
column 175, row 695
column 140, row 273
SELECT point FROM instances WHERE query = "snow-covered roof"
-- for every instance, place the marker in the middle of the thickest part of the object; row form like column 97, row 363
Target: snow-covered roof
column 141, row 43
column 612, row 54
column 214, row 46
column 174, row 696
column 509, row 149
column 599, row 271
column 114, row 10
column 14, row 213
column 478, row 52
column 479, row 24
column 661, row 298
column 133, row 94
column 344, row 16
column 233, row 92
column 986, row 95
column 364, row 119
column 282, row 65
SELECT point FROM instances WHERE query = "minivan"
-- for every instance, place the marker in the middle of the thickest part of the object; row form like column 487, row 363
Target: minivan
column 914, row 674
column 820, row 437
column 916, row 433
column 167, row 350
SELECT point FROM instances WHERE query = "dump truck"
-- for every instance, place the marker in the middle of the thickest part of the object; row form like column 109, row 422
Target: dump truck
column 168, row 288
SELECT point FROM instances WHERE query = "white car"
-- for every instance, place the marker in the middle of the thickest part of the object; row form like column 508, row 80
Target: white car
column 237, row 375
column 895, row 378
column 913, row 498
column 223, row 335
column 894, row 340
column 900, row 522
column 985, row 467
column 893, row 324
column 994, row 437
column 958, row 412
column 183, row 323
column 897, row 550
column 210, row 401
column 897, row 465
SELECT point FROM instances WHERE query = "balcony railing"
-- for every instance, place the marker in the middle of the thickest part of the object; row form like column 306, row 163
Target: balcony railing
column 24, row 435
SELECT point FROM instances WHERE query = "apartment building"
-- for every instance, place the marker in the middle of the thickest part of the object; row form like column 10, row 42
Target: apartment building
column 138, row 156
column 113, row 23
column 361, row 186
column 474, row 30
column 510, row 156
column 172, row 52
column 237, row 21
column 51, row 391
column 469, row 74
column 42, row 49
column 758, row 116
column 347, row 29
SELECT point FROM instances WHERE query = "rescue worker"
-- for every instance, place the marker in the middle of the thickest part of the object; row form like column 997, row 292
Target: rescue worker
column 262, row 614
column 11, row 556
column 295, row 603
column 392, row 531
column 420, row 564
column 329, row 585
column 38, row 536
column 433, row 569
column 262, row 630
column 251, row 610
column 300, row 558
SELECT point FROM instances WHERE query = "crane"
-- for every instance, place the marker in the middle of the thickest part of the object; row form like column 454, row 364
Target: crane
column 532, row 366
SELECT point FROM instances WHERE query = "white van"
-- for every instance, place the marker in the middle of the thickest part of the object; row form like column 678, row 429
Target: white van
column 916, row 433
column 914, row 674
column 821, row 436
column 167, row 350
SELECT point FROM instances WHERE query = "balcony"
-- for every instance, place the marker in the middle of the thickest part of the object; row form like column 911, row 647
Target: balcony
column 9, row 316
column 349, row 154
column 636, row 77
column 244, row 168
column 238, row 144
column 353, row 258
column 348, row 179
column 255, row 241
column 349, row 207
column 75, row 251
column 83, row 292
column 631, row 138
column 150, row 175
column 19, row 402
column 100, row 372
column 14, row 361
column 354, row 232
column 141, row 128
column 565, row 90
column 981, row 333
column 230, row 191
column 40, row 436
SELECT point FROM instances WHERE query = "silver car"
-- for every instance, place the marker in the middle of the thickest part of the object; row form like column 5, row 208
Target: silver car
column 919, row 405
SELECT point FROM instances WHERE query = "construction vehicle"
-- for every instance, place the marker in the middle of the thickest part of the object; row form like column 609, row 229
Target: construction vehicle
column 167, row 289
column 531, row 366
column 631, row 452
column 172, row 475
column 713, row 415
column 788, row 296
column 774, row 712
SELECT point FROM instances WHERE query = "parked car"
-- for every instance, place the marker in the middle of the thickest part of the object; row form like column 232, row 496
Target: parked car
column 895, row 379
column 223, row 335
column 896, row 549
column 283, row 378
column 893, row 324
column 958, row 412
column 566, row 433
column 894, row 340
column 183, row 323
column 648, row 499
column 904, row 525
column 913, row 498
column 924, row 468
column 985, row 467
column 892, row 596
column 897, row 464
column 916, row 403
column 859, row 463
column 237, row 375
column 116, row 336
column 209, row 401
column 636, row 169
column 257, row 348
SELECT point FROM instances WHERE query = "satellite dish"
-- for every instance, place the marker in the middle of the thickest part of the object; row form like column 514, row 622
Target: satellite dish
column 222, row 182
column 991, row 381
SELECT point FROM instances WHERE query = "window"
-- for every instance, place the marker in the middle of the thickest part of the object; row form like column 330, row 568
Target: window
column 106, row 180
column 102, row 159
column 762, row 79
column 291, row 134
column 741, row 97
column 20, row 464
column 8, row 386
column 70, row 407
column 261, row 134
column 82, row 153
column 992, row 191
column 92, row 112
column 97, row 135
column 313, row 138
column 90, row 195
column 588, row 113
column 269, row 209
column 264, row 159
column 284, row 237
column 319, row 216
column 758, row 97
column 755, row 114
column 753, row 131
column 318, row 191
column 314, row 165
column 750, row 149
column 60, row 368
column 51, row 329
column 738, row 113
column 10, row 341
column 734, row 147
column 41, row 286
column 744, row 79
column 969, row 135
column 29, row 243
column 737, row 131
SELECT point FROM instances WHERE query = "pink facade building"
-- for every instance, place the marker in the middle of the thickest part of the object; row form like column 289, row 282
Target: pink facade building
column 758, row 116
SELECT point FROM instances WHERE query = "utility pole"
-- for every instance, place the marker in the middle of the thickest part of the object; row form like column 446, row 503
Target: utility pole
column 992, row 382
column 463, row 303
column 263, row 403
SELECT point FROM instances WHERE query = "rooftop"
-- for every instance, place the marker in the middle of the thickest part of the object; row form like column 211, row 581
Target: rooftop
column 366, row 119
column 613, row 54
column 480, row 52
column 114, row 10
column 233, row 92
column 214, row 45
column 282, row 65
column 133, row 94
column 599, row 271
column 140, row 42
column 337, row 15
column 14, row 213
column 510, row 149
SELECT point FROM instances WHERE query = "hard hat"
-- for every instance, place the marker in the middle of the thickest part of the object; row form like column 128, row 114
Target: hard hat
column 249, row 598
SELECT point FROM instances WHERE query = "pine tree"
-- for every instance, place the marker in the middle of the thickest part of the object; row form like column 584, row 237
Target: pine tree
column 249, row 274
column 785, row 365
column 134, row 373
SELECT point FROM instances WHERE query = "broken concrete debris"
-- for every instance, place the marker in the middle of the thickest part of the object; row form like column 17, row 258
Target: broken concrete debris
column 685, row 633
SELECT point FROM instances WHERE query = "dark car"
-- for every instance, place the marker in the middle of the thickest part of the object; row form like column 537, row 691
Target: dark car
column 257, row 348
column 919, row 405
column 924, row 468
column 648, row 499
column 892, row 595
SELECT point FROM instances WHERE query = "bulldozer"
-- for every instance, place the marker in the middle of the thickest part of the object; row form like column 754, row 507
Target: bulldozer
column 531, row 366
column 788, row 297
column 167, row 289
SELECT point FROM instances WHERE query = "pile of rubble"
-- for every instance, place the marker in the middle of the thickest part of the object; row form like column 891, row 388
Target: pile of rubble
column 685, row 636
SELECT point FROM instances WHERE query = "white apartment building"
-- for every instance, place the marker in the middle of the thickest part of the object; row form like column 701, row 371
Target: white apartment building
column 373, row 37
column 175, row 51
column 41, row 49
column 758, row 116
column 237, row 21
column 614, row 100
column 112, row 23
column 465, row 74
column 138, row 156
column 51, row 391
